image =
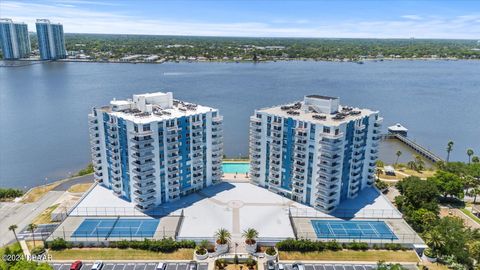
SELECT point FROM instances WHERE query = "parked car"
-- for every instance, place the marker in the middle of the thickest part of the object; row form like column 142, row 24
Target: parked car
column 161, row 266
column 270, row 265
column 298, row 266
column 280, row 266
column 98, row 265
column 76, row 265
column 192, row 265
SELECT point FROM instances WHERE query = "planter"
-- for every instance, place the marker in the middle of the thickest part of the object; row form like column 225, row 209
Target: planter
column 221, row 248
column 201, row 257
column 271, row 257
column 429, row 259
column 251, row 248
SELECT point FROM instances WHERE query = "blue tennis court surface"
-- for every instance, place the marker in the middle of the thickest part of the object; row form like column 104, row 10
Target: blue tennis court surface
column 353, row 229
column 117, row 228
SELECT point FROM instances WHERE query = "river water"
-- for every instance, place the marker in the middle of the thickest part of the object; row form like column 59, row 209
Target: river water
column 44, row 107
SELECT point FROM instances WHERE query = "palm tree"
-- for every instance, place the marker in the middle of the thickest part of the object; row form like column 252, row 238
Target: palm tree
column 399, row 153
column 434, row 240
column 449, row 149
column 469, row 154
column 419, row 163
column 13, row 228
column 250, row 235
column 32, row 227
column 223, row 236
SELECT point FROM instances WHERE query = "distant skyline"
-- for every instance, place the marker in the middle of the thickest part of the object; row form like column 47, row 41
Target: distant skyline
column 449, row 19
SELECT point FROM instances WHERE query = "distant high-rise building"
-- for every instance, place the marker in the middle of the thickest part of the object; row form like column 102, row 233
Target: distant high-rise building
column 51, row 41
column 14, row 39
column 314, row 151
column 153, row 149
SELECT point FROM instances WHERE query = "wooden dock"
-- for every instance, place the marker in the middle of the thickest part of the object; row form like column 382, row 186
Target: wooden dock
column 424, row 152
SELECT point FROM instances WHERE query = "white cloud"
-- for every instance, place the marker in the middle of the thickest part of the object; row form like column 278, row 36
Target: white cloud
column 82, row 20
column 412, row 17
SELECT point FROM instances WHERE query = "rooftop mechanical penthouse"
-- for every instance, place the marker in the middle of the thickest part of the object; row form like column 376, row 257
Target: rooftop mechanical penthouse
column 153, row 149
column 315, row 151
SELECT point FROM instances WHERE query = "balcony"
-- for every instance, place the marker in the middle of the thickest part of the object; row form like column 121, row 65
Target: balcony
column 144, row 193
column 145, row 201
column 139, row 133
column 144, row 185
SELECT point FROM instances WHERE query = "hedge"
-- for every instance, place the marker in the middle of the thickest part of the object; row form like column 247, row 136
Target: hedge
column 305, row 245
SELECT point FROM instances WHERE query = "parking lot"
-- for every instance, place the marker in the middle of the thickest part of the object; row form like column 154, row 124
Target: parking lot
column 330, row 266
column 131, row 266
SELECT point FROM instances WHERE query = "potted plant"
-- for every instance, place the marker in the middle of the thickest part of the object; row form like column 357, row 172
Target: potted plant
column 250, row 236
column 271, row 253
column 429, row 255
column 222, row 238
column 201, row 252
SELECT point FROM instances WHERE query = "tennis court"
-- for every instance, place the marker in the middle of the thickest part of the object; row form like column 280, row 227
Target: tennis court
column 353, row 229
column 120, row 227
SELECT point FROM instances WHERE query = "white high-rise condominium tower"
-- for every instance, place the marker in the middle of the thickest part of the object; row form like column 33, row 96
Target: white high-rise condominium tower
column 51, row 40
column 314, row 151
column 14, row 39
column 153, row 149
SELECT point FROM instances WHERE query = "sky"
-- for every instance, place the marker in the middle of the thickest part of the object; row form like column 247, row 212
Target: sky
column 449, row 19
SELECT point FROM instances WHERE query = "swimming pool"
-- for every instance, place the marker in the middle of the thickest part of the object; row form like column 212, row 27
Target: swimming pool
column 236, row 167
column 352, row 229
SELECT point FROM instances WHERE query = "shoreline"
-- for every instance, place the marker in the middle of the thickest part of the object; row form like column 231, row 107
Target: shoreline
column 27, row 62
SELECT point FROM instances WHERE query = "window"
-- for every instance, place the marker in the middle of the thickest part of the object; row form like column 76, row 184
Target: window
column 326, row 129
column 146, row 127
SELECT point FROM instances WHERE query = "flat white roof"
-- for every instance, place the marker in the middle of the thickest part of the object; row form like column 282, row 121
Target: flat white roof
column 397, row 127
column 307, row 116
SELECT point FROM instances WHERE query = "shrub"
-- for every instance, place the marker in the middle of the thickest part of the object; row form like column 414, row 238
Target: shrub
column 393, row 246
column 250, row 263
column 357, row 246
column 270, row 251
column 123, row 244
column 37, row 251
column 58, row 244
column 333, row 245
column 201, row 251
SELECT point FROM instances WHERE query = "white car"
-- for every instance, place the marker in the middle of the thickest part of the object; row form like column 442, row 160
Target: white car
column 280, row 266
column 98, row 265
column 161, row 266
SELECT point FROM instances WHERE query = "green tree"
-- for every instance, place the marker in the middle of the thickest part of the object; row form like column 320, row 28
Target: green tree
column 448, row 184
column 418, row 194
column 475, row 159
column 474, row 250
column 223, row 236
column 32, row 227
column 398, row 154
column 422, row 219
column 419, row 163
column 469, row 154
column 13, row 229
column 434, row 239
column 449, row 149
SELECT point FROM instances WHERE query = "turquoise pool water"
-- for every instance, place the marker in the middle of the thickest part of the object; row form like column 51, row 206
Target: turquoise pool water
column 236, row 167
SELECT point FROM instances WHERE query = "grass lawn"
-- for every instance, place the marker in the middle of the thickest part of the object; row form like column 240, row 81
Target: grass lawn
column 38, row 243
column 45, row 216
column 36, row 193
column 422, row 174
column 472, row 216
column 118, row 254
column 352, row 255
column 391, row 177
column 78, row 188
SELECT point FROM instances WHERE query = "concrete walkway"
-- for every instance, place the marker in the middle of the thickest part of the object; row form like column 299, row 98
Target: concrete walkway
column 25, row 249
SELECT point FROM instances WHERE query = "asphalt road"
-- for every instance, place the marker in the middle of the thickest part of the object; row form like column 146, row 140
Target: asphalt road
column 335, row 266
column 78, row 180
column 131, row 266
column 22, row 214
